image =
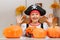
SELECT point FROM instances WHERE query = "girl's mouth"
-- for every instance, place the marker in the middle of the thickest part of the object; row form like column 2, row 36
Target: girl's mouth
column 35, row 18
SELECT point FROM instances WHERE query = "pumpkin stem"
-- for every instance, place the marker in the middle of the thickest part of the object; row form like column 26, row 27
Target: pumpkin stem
column 18, row 24
column 11, row 24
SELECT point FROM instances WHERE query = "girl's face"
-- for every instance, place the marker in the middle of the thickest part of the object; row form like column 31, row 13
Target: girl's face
column 35, row 17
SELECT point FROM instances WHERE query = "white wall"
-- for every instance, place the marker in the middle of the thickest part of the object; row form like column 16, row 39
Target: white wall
column 7, row 10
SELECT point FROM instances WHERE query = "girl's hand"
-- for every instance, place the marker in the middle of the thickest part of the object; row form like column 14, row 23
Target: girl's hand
column 19, row 19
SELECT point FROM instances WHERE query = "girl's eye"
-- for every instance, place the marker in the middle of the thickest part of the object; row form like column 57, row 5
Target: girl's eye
column 36, row 14
column 32, row 14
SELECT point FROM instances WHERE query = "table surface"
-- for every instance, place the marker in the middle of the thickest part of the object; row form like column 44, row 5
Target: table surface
column 25, row 38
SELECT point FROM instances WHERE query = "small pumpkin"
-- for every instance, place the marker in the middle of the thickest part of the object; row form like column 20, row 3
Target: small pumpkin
column 54, row 32
column 13, row 31
column 29, row 31
column 39, row 33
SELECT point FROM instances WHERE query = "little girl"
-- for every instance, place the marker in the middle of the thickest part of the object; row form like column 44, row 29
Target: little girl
column 34, row 12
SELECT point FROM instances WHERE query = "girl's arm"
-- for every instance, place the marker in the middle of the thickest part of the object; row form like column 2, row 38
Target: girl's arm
column 47, row 23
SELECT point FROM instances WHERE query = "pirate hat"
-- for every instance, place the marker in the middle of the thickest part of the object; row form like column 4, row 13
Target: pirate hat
column 35, row 7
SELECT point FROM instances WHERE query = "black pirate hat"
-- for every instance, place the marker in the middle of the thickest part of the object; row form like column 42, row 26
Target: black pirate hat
column 35, row 7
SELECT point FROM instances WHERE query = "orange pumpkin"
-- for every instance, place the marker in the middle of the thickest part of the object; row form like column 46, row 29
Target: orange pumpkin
column 55, row 5
column 54, row 32
column 39, row 33
column 29, row 30
column 13, row 31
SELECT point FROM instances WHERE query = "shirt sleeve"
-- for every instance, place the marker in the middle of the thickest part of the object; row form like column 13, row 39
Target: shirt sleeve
column 23, row 26
column 45, row 25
